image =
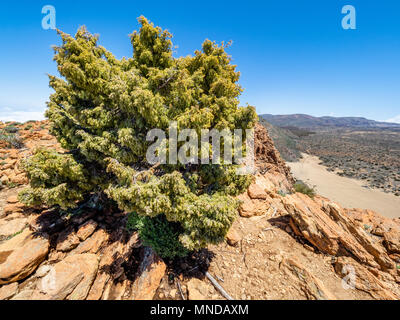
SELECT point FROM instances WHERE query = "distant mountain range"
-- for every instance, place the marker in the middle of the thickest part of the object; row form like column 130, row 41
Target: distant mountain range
column 310, row 122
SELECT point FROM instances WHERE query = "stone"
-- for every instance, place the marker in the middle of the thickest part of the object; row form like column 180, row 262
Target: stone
column 24, row 295
column 233, row 237
column 12, row 199
column 86, row 230
column 98, row 287
column 12, row 227
column 255, row 191
column 92, row 244
column 67, row 240
column 327, row 227
column 115, row 290
column 197, row 289
column 8, row 291
column 310, row 285
column 151, row 271
column 249, row 207
column 110, row 268
column 364, row 280
column 13, row 207
column 21, row 255
column 20, row 179
column 392, row 241
column 69, row 279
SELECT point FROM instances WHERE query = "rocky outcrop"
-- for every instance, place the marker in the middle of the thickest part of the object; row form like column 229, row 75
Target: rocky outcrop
column 329, row 229
column 284, row 245
column 311, row 285
column 32, row 135
column 57, row 258
column 71, row 278
column 151, row 271
column 267, row 158
column 364, row 280
column 333, row 231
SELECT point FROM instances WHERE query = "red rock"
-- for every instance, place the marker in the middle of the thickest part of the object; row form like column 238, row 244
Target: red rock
column 150, row 273
column 233, row 237
column 197, row 289
column 12, row 208
column 250, row 207
column 8, row 291
column 310, row 285
column 86, row 230
column 69, row 279
column 12, row 199
column 392, row 241
column 94, row 243
column 365, row 280
column 257, row 192
column 329, row 229
column 67, row 241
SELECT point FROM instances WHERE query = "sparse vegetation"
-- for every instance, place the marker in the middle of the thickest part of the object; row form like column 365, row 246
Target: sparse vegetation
column 301, row 187
column 11, row 129
column 371, row 154
column 14, row 235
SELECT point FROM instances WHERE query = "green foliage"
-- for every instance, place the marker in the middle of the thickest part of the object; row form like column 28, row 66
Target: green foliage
column 158, row 233
column 301, row 187
column 102, row 110
column 12, row 139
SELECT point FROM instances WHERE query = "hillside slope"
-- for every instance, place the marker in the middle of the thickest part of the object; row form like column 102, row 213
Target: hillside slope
column 284, row 245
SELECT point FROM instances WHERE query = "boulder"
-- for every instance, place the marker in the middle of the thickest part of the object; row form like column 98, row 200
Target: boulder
column 252, row 207
column 329, row 229
column 67, row 240
column 255, row 191
column 92, row 244
column 392, row 241
column 364, row 280
column 13, row 207
column 8, row 291
column 21, row 255
column 113, row 257
column 86, row 230
column 69, row 279
column 12, row 199
column 233, row 237
column 310, row 285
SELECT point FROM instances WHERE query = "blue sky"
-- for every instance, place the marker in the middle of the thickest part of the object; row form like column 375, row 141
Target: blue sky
column 294, row 56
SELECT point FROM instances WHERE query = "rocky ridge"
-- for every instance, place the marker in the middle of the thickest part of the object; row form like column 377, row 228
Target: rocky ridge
column 284, row 245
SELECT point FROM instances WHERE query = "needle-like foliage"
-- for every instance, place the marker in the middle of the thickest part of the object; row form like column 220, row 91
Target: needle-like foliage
column 102, row 110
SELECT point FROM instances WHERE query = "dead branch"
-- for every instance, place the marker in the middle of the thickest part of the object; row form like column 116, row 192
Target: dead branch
column 180, row 289
column 218, row 287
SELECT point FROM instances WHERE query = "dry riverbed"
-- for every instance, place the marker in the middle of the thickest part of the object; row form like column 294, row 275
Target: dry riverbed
column 350, row 193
